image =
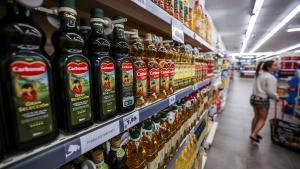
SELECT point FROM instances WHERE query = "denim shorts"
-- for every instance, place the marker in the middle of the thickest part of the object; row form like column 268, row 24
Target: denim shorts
column 259, row 102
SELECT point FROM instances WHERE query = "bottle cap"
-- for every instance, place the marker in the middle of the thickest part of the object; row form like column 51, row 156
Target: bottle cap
column 148, row 126
column 97, row 13
column 98, row 156
column 135, row 134
column 67, row 3
column 115, row 142
column 84, row 22
column 148, row 36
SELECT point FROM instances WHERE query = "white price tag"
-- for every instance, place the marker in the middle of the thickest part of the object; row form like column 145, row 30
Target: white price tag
column 194, row 87
column 177, row 31
column 141, row 3
column 131, row 120
column 172, row 100
column 99, row 136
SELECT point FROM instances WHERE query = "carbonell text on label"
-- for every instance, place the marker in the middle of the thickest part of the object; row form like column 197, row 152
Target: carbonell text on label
column 107, row 68
column 70, row 68
column 28, row 69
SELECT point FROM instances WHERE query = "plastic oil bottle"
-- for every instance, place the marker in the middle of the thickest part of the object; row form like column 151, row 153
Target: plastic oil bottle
column 140, row 69
column 103, row 68
column 150, row 145
column 124, row 70
column 27, row 80
column 163, row 69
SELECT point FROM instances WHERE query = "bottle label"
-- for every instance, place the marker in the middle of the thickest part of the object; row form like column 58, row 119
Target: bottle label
column 141, row 84
column 164, row 80
column 79, row 91
column 30, row 81
column 127, row 84
column 108, row 100
column 154, row 81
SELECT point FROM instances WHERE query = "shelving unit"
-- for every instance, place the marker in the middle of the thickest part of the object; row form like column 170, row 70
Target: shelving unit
column 69, row 147
column 186, row 140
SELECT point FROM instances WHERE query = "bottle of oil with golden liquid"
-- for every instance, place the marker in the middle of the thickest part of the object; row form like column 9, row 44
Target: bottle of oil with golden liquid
column 160, row 138
column 135, row 151
column 153, row 68
column 169, row 56
column 149, row 144
column 117, row 156
column 163, row 68
column 98, row 159
column 140, row 69
column 166, row 133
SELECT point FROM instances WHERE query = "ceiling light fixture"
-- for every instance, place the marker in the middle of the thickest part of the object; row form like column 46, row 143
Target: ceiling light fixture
column 281, row 51
column 257, row 7
column 250, row 54
column 290, row 16
column 297, row 51
column 293, row 30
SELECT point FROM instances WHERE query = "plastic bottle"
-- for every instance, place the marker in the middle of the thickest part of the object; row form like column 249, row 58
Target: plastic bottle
column 72, row 71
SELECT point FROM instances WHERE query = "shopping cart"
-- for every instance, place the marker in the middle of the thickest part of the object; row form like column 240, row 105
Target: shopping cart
column 285, row 133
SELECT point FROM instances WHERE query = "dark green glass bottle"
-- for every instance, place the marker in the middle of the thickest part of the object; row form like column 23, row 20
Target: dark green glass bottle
column 84, row 28
column 72, row 72
column 124, row 67
column 27, row 81
column 103, row 66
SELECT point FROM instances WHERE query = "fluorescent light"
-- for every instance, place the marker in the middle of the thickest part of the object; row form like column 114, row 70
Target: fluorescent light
column 290, row 16
column 257, row 6
column 293, row 30
column 250, row 54
column 297, row 51
column 248, row 57
column 289, row 48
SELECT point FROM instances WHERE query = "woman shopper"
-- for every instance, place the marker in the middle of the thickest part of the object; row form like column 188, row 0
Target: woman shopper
column 265, row 87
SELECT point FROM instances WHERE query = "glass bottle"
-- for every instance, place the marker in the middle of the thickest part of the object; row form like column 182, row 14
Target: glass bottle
column 85, row 28
column 181, row 10
column 186, row 12
column 176, row 9
column 134, row 150
column 163, row 69
column 104, row 69
column 98, row 159
column 26, row 76
column 140, row 69
column 117, row 156
column 73, row 72
column 124, row 66
column 153, row 68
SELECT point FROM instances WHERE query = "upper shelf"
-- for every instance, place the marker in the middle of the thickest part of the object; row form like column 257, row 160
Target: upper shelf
column 68, row 147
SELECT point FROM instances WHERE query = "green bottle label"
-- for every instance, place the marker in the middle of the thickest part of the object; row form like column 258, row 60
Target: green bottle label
column 141, row 84
column 108, row 100
column 79, row 91
column 30, row 82
column 127, row 83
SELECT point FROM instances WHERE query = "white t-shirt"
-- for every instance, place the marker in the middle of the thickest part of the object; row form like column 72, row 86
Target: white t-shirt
column 265, row 85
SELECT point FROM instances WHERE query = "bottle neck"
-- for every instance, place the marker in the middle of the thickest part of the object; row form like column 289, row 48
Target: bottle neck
column 119, row 32
column 67, row 20
column 97, row 28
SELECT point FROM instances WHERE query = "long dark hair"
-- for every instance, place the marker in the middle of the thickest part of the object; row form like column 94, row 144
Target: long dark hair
column 264, row 66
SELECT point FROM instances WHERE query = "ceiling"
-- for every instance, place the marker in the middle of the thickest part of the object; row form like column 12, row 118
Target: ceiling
column 231, row 18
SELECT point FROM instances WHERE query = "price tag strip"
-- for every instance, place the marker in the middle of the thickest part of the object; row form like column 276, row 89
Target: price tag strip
column 131, row 120
column 172, row 100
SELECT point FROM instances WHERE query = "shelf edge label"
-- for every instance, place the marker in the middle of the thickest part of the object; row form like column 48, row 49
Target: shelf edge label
column 172, row 100
column 131, row 120
column 97, row 137
column 177, row 31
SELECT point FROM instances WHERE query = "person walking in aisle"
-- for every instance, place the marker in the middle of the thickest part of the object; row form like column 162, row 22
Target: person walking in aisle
column 265, row 87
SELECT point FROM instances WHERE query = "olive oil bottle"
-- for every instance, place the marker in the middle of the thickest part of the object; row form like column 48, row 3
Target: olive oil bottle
column 27, row 81
column 124, row 69
column 140, row 69
column 117, row 156
column 163, row 68
column 103, row 66
column 73, row 72
column 85, row 28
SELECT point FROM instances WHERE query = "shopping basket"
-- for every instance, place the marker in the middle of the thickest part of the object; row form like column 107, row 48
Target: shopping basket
column 285, row 133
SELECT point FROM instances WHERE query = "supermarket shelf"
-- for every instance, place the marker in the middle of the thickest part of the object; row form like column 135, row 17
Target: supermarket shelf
column 204, row 159
column 69, row 147
column 185, row 141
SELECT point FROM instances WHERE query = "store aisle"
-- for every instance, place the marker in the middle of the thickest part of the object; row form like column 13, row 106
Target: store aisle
column 232, row 148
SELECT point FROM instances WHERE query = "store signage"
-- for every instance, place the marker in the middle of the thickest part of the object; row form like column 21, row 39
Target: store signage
column 172, row 100
column 72, row 150
column 97, row 137
column 141, row 3
column 131, row 120
column 177, row 31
